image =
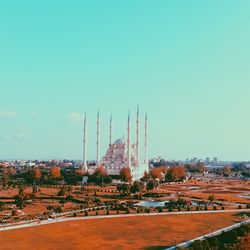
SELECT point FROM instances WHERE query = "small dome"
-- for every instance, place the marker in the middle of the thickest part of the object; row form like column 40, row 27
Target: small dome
column 120, row 141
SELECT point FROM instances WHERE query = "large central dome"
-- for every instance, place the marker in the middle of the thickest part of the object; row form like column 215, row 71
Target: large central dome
column 120, row 141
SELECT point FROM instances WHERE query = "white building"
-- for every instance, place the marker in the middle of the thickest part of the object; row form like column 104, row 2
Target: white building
column 121, row 153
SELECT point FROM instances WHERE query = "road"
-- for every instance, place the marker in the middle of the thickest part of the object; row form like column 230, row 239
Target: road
column 62, row 219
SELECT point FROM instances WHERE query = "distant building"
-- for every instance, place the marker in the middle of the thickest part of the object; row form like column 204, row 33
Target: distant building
column 215, row 160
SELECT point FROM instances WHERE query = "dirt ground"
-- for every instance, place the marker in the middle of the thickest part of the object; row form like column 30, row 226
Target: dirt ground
column 153, row 232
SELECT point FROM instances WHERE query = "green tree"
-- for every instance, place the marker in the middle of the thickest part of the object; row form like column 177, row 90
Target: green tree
column 137, row 187
column 2, row 206
column 151, row 185
column 123, row 188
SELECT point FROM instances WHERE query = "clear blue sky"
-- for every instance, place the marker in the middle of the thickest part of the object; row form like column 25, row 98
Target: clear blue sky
column 187, row 63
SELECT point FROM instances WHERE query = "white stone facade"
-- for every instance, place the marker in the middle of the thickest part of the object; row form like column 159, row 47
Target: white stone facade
column 116, row 158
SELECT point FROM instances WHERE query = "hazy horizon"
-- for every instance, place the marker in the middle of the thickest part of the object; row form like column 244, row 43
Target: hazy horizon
column 186, row 63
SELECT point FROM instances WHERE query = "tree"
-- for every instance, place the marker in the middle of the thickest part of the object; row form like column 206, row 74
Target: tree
column 126, row 175
column 244, row 243
column 107, row 179
column 62, row 191
column 100, row 171
column 150, row 185
column 13, row 212
column 226, row 170
column 80, row 172
column 50, row 208
column 37, row 174
column 123, row 188
column 137, row 187
column 156, row 173
column 20, row 198
column 5, row 175
column 55, row 172
column 176, row 173
column 99, row 175
column 201, row 167
column 5, row 179
column 62, row 201
column 211, row 198
column 58, row 210
column 1, row 205
column 145, row 177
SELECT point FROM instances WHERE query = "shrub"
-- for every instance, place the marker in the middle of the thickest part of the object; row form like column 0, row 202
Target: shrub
column 13, row 212
column 239, row 207
column 160, row 209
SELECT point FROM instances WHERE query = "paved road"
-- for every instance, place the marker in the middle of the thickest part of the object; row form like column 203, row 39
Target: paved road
column 58, row 220
column 203, row 237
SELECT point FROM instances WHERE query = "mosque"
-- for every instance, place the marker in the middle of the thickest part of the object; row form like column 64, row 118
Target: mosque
column 120, row 153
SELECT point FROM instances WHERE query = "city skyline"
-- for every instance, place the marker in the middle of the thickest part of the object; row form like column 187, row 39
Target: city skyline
column 186, row 65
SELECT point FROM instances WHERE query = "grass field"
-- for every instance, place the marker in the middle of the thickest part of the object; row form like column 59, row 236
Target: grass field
column 154, row 232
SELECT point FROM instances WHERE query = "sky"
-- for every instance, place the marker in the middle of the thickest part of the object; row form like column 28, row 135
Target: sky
column 186, row 63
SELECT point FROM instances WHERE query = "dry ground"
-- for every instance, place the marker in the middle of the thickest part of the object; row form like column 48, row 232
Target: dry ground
column 153, row 232
column 227, row 190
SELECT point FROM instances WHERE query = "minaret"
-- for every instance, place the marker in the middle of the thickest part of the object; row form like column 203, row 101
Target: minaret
column 85, row 167
column 110, row 131
column 98, row 139
column 146, row 139
column 128, row 142
column 137, row 135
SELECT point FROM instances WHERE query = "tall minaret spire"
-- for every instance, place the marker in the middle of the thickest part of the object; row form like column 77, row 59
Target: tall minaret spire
column 146, row 139
column 98, row 139
column 137, row 135
column 128, row 142
column 110, row 131
column 85, row 167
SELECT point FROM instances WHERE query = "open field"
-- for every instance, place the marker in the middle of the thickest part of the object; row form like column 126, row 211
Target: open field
column 116, row 233
column 223, row 190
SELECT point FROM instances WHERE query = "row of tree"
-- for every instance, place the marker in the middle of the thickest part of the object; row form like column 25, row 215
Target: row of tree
column 72, row 176
column 227, row 240
column 168, row 174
